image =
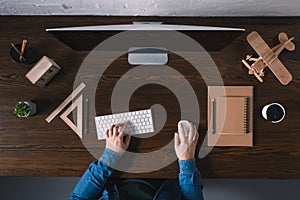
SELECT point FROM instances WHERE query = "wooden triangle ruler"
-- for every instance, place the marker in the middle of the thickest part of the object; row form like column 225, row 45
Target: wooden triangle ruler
column 65, row 102
column 64, row 116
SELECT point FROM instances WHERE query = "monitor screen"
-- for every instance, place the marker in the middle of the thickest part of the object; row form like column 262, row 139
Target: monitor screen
column 85, row 38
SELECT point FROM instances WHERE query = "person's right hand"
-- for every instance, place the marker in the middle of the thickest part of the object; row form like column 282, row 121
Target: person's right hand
column 114, row 139
column 185, row 147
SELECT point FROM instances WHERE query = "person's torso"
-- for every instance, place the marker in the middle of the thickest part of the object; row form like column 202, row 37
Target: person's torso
column 136, row 189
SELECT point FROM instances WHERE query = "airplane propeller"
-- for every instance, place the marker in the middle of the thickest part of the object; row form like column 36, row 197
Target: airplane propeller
column 248, row 57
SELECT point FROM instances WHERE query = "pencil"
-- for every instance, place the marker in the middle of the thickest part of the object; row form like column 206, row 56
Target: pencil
column 24, row 42
column 16, row 49
column 86, row 120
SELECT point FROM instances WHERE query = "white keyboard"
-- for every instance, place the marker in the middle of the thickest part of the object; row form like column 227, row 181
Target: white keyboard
column 139, row 122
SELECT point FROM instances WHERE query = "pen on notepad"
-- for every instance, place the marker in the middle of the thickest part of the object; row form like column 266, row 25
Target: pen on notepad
column 213, row 128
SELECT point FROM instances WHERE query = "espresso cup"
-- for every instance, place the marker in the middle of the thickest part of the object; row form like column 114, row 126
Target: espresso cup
column 273, row 112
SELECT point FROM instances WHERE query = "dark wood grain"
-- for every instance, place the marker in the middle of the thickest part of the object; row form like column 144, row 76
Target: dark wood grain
column 32, row 147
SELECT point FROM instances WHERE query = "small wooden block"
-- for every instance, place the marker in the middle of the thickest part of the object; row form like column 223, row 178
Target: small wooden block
column 43, row 71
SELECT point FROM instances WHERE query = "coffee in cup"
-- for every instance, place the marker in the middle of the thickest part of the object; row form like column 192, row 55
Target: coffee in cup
column 273, row 112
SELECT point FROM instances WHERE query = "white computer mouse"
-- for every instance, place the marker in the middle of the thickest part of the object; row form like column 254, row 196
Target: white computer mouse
column 186, row 126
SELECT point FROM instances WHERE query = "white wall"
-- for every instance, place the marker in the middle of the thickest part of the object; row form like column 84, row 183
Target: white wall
column 152, row 7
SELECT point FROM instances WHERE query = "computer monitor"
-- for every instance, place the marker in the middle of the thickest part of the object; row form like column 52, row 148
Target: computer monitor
column 85, row 38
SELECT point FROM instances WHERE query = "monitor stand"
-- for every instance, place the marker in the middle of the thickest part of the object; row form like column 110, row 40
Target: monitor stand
column 147, row 56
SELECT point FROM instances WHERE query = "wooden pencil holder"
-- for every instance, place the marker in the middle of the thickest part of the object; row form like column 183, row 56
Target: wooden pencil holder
column 43, row 71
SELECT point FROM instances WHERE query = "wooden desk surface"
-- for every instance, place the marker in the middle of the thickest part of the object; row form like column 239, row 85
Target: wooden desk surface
column 31, row 147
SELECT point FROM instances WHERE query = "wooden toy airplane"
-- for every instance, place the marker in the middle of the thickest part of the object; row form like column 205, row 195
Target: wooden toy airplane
column 268, row 57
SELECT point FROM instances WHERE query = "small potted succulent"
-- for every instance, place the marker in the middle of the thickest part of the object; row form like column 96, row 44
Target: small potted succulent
column 25, row 109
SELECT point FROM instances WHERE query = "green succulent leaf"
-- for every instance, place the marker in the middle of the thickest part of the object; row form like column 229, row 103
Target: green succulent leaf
column 21, row 109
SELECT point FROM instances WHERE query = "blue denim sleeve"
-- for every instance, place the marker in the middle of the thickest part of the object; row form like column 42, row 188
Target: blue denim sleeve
column 91, row 183
column 190, row 182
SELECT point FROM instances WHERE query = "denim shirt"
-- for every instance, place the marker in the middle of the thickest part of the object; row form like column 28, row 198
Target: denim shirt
column 94, row 184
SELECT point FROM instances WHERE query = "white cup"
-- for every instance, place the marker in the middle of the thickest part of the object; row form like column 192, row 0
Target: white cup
column 265, row 113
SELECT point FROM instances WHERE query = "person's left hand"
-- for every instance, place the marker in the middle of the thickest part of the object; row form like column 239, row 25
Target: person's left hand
column 115, row 141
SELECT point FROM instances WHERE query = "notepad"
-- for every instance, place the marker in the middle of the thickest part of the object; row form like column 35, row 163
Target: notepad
column 230, row 115
column 236, row 115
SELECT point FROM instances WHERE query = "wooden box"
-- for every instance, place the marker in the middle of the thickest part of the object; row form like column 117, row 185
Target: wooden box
column 43, row 71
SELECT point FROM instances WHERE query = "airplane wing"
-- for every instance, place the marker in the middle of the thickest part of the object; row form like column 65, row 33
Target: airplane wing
column 258, row 44
column 281, row 73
